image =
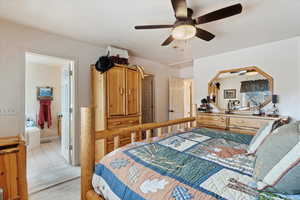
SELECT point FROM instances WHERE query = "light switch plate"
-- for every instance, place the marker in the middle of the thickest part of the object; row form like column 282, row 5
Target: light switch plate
column 7, row 111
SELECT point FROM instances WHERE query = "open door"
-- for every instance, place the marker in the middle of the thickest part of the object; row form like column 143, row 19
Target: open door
column 188, row 93
column 66, row 113
column 148, row 99
column 176, row 98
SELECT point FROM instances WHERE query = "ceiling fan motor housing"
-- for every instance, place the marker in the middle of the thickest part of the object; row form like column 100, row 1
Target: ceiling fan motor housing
column 185, row 22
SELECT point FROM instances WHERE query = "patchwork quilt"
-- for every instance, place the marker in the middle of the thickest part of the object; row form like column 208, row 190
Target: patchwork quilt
column 199, row 164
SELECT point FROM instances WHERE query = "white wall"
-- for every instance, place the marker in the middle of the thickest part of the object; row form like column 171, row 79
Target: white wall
column 41, row 75
column 15, row 40
column 161, row 73
column 280, row 59
column 186, row 72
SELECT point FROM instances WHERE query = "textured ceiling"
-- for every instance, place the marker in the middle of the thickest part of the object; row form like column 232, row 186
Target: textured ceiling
column 111, row 22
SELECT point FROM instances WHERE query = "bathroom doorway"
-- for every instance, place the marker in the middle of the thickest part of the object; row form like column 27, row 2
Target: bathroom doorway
column 49, row 125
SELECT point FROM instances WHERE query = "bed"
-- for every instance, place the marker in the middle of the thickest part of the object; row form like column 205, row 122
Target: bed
column 184, row 164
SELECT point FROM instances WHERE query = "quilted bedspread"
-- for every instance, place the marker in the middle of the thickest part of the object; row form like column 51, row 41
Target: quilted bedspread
column 199, row 164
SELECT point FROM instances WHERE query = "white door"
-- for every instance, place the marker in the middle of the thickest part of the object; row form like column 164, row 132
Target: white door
column 188, row 90
column 66, row 113
column 176, row 98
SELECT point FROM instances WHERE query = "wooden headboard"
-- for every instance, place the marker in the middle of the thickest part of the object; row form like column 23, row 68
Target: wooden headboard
column 95, row 145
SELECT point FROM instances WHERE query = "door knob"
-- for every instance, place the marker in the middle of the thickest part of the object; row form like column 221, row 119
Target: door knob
column 171, row 110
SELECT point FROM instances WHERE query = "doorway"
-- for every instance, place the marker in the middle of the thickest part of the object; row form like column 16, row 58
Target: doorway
column 148, row 99
column 49, row 125
column 180, row 97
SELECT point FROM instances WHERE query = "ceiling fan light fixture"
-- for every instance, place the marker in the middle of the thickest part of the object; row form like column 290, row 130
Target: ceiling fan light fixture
column 184, row 32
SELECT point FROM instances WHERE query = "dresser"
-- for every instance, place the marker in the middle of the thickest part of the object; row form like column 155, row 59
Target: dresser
column 116, row 97
column 239, row 123
column 13, row 181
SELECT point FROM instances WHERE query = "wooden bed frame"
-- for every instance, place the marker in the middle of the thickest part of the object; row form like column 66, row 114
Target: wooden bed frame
column 94, row 145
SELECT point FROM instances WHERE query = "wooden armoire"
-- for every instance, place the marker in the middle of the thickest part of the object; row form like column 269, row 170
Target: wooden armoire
column 116, row 96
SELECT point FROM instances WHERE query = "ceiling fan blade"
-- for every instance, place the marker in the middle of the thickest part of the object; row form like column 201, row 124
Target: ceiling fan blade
column 168, row 41
column 204, row 35
column 153, row 26
column 220, row 14
column 180, row 9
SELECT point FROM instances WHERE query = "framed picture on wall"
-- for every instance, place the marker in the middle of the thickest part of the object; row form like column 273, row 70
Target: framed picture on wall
column 230, row 94
column 45, row 93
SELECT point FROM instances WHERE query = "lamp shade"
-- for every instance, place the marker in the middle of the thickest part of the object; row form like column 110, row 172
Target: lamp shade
column 184, row 32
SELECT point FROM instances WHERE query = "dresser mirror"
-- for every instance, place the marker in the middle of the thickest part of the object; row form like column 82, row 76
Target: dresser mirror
column 242, row 89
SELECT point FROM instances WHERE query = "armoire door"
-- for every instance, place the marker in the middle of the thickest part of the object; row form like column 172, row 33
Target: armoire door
column 116, row 91
column 133, row 90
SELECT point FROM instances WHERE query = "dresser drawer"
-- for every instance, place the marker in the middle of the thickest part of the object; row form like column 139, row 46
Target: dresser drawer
column 122, row 122
column 247, row 123
column 212, row 121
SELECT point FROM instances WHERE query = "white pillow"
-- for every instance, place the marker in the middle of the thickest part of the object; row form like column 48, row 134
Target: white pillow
column 260, row 136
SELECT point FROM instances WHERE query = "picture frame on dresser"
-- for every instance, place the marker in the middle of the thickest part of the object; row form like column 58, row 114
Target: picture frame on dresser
column 230, row 94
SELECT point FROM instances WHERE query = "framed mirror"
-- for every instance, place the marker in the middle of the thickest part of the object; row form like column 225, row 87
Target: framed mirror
column 241, row 89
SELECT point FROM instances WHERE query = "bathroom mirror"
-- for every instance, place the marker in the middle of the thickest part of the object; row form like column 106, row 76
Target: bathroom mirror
column 241, row 89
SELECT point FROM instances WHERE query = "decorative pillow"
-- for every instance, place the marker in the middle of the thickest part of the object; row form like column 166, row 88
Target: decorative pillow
column 277, row 167
column 260, row 136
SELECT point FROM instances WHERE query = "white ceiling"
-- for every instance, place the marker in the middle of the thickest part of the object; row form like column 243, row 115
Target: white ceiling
column 112, row 22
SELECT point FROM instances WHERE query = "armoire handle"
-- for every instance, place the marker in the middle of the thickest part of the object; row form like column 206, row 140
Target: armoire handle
column 121, row 91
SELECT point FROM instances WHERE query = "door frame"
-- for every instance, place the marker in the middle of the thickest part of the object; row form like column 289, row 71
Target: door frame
column 74, row 135
column 190, row 90
column 153, row 97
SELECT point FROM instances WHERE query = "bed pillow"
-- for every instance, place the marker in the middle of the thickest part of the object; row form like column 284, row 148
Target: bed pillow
column 260, row 136
column 277, row 166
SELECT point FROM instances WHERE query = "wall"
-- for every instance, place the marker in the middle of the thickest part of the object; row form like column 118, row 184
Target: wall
column 186, row 72
column 41, row 75
column 161, row 73
column 15, row 40
column 280, row 59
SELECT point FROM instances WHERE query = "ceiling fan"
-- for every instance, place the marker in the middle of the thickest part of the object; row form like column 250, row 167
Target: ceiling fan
column 185, row 26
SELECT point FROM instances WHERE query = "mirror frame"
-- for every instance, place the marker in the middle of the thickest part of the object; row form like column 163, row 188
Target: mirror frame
column 251, row 68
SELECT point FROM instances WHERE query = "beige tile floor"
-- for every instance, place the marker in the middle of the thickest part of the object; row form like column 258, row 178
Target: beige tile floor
column 67, row 191
column 46, row 167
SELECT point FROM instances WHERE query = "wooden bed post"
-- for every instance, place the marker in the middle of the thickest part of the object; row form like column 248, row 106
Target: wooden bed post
column 87, row 150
